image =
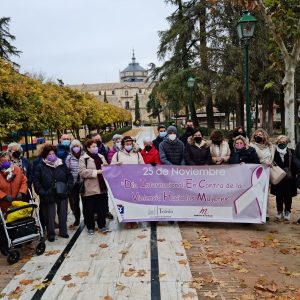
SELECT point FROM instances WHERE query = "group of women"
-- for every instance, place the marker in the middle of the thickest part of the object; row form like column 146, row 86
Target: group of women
column 80, row 174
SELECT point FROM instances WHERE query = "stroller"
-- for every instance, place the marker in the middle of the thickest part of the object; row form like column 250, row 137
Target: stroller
column 21, row 231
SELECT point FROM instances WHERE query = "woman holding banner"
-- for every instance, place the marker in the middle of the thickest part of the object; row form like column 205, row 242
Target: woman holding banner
column 219, row 148
column 242, row 153
column 197, row 151
column 127, row 155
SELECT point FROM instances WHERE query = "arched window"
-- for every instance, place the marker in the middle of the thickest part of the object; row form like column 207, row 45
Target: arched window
column 140, row 91
column 127, row 105
column 99, row 93
column 126, row 93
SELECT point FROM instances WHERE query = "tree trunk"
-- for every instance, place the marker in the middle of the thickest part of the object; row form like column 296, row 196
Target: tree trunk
column 194, row 115
column 270, row 115
column 289, row 98
column 205, row 67
column 239, row 109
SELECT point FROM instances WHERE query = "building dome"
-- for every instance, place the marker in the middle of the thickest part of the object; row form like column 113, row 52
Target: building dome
column 133, row 72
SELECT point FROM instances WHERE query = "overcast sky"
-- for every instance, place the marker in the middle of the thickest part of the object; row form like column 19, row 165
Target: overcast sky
column 85, row 41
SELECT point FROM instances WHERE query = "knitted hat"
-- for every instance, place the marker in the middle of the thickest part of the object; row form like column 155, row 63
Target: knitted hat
column 171, row 129
column 75, row 143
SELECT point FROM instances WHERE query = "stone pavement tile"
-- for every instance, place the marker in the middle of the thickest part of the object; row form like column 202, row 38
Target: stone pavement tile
column 177, row 291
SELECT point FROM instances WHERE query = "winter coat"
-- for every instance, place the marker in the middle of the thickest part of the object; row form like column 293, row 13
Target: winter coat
column 72, row 164
column 35, row 163
column 26, row 167
column 62, row 152
column 264, row 152
column 184, row 137
column 88, row 172
column 197, row 155
column 103, row 150
column 288, row 185
column 171, row 152
column 111, row 153
column 151, row 157
column 127, row 158
column 296, row 162
column 157, row 141
column 224, row 151
column 246, row 155
column 12, row 188
column 45, row 179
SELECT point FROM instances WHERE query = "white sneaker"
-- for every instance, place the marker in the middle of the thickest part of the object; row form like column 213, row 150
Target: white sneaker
column 287, row 215
column 91, row 232
column 279, row 216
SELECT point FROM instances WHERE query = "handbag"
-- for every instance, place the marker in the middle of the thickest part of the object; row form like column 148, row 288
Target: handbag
column 61, row 189
column 276, row 174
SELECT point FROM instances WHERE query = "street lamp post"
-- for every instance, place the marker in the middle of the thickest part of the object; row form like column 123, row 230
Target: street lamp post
column 246, row 29
column 190, row 83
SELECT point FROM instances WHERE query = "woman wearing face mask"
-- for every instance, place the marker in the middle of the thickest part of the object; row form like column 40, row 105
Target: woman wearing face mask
column 149, row 153
column 264, row 148
column 49, row 175
column 94, row 198
column 285, row 189
column 72, row 163
column 117, row 138
column 16, row 153
column 242, row 153
column 13, row 182
column 197, row 150
column 239, row 130
column 127, row 155
column 63, row 147
column 219, row 148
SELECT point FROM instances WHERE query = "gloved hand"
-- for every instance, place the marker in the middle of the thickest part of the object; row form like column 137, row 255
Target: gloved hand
column 153, row 164
column 19, row 196
column 8, row 198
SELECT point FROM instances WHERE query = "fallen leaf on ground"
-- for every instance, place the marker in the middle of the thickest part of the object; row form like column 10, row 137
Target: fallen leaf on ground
column 41, row 285
column 295, row 275
column 93, row 254
column 66, row 277
column 25, row 259
column 130, row 272
column 82, row 274
column 210, row 294
column 71, row 285
column 124, row 252
column 103, row 246
column 108, row 298
column 52, row 252
column 120, row 286
column 186, row 244
column 182, row 262
column 161, row 240
column 284, row 251
column 19, row 272
column 141, row 236
column 248, row 297
column 179, row 254
column 162, row 275
column 230, row 290
column 243, row 270
column 16, row 294
column 189, row 295
column 26, row 281
column 141, row 273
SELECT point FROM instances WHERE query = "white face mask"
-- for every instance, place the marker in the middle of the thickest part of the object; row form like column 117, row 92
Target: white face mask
column 118, row 145
column 172, row 137
column 128, row 148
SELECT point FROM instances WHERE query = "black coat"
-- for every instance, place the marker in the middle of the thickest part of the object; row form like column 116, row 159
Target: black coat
column 196, row 156
column 247, row 156
column 296, row 163
column 286, row 186
column 45, row 178
column 157, row 141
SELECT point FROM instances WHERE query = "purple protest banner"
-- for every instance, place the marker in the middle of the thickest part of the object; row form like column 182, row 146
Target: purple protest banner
column 229, row 193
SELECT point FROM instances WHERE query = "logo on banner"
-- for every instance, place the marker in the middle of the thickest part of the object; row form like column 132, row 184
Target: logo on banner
column 203, row 212
column 165, row 211
column 120, row 208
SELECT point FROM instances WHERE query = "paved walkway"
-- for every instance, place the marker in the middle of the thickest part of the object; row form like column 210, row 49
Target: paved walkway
column 163, row 261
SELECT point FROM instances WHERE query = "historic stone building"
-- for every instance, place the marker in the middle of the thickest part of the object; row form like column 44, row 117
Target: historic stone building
column 133, row 81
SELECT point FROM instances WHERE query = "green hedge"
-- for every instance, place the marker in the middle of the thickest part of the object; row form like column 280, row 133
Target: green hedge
column 106, row 137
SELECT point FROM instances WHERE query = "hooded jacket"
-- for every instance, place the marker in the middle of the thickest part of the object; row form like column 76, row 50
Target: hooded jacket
column 197, row 154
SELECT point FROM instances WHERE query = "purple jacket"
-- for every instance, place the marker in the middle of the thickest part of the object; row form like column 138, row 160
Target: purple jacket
column 111, row 153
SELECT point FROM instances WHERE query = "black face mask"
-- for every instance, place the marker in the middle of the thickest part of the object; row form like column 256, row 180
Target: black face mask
column 189, row 130
column 16, row 154
column 258, row 139
column 217, row 142
column 148, row 148
column 99, row 143
column 198, row 139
